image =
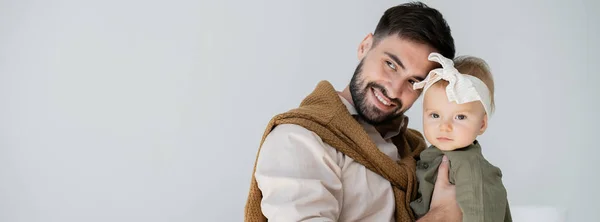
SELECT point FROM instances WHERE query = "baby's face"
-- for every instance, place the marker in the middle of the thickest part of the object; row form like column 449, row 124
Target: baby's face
column 448, row 125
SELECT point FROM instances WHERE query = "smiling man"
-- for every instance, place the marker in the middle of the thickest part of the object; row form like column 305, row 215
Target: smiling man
column 348, row 156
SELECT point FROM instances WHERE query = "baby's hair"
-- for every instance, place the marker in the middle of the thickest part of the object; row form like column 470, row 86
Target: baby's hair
column 474, row 66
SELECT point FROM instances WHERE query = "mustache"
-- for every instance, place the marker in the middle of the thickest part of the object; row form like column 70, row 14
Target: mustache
column 384, row 91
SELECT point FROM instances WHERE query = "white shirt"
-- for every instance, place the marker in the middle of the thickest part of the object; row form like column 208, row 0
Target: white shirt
column 303, row 179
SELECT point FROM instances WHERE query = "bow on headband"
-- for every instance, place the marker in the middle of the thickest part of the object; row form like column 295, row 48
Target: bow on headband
column 461, row 88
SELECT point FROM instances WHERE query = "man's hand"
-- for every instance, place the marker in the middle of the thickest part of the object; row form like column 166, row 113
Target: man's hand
column 443, row 202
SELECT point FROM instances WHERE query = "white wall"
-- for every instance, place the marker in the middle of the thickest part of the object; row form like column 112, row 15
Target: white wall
column 152, row 110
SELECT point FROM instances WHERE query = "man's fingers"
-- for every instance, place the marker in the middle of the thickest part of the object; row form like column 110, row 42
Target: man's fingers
column 443, row 171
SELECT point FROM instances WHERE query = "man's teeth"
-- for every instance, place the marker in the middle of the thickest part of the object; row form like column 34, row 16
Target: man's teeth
column 381, row 99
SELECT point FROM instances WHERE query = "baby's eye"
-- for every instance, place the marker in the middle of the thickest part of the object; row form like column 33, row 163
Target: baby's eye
column 391, row 65
column 434, row 115
column 461, row 117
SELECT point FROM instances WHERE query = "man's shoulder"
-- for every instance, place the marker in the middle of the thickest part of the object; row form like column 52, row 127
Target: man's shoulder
column 290, row 131
column 296, row 140
column 415, row 140
column 414, row 132
column 290, row 128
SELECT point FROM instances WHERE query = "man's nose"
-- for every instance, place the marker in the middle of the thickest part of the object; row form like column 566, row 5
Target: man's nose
column 398, row 86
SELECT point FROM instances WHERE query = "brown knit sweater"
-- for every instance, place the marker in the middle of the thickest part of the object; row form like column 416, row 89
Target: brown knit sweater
column 324, row 113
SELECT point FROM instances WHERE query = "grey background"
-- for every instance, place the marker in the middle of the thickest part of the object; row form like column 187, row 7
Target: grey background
column 137, row 110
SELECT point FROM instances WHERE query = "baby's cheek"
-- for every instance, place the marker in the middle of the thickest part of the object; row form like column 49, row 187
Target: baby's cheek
column 466, row 135
column 428, row 133
column 464, row 142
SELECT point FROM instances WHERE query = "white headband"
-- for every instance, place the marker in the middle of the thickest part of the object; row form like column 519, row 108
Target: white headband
column 461, row 88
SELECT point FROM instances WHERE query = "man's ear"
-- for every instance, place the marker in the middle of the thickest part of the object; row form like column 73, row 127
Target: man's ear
column 365, row 46
column 484, row 124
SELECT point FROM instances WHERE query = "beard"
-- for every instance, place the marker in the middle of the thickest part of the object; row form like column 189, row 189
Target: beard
column 369, row 112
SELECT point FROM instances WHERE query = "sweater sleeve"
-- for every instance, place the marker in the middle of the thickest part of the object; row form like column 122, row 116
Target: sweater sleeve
column 298, row 177
column 479, row 189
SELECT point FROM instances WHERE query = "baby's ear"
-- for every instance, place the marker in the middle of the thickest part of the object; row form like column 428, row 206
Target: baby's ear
column 484, row 124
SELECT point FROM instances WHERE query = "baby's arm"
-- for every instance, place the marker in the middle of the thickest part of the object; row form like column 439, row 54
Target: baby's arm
column 479, row 189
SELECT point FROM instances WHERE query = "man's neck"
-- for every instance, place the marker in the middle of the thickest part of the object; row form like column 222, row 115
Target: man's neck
column 347, row 95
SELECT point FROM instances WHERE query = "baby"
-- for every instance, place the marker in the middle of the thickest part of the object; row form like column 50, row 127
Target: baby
column 456, row 109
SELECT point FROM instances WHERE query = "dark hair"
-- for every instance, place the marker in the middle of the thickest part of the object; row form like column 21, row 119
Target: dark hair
column 417, row 22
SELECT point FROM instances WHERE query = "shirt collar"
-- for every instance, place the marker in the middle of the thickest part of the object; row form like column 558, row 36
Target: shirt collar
column 349, row 106
column 432, row 151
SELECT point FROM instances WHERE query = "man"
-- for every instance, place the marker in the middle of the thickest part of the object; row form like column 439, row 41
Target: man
column 348, row 156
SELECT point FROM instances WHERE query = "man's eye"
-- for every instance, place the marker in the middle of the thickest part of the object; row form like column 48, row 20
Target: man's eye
column 391, row 65
column 434, row 115
column 461, row 117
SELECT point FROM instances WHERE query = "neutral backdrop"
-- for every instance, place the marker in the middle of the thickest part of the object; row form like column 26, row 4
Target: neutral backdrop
column 136, row 110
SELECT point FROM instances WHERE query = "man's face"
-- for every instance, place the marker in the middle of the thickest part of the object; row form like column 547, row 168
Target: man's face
column 382, row 84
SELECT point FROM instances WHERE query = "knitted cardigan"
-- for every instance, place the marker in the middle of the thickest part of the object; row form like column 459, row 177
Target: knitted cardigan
column 323, row 113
